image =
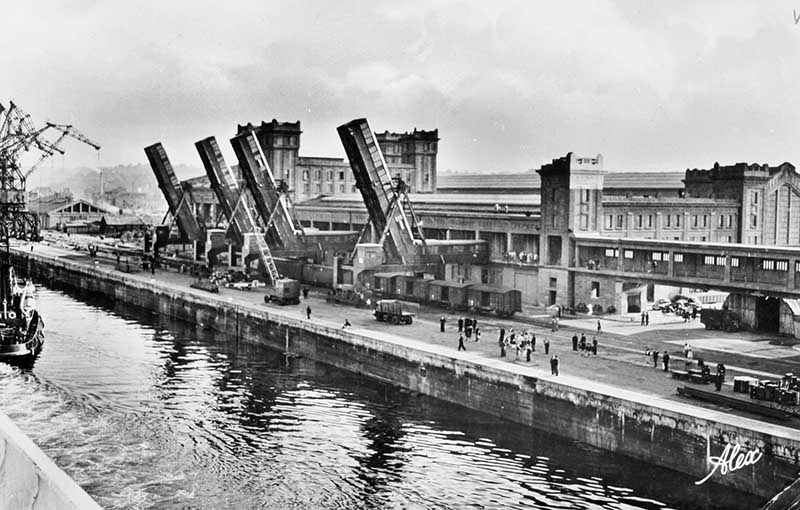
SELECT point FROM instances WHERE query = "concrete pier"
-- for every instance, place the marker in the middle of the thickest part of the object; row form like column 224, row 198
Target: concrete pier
column 663, row 432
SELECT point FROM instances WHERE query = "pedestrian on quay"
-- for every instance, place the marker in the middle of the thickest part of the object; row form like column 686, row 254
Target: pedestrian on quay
column 502, row 348
column 442, row 320
column 460, row 324
column 642, row 323
column 720, row 375
column 467, row 323
column 533, row 342
column 461, row 343
column 346, row 324
column 305, row 292
column 474, row 323
column 528, row 351
column 511, row 336
column 647, row 355
column 655, row 358
column 689, row 353
column 599, row 328
column 502, row 335
column 666, row 361
column 575, row 342
column 518, row 348
column 554, row 365
column 594, row 345
column 686, row 350
column 477, row 334
column 646, row 318
column 308, row 312
column 546, row 345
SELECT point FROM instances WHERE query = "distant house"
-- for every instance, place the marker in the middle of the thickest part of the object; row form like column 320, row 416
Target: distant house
column 66, row 213
column 114, row 225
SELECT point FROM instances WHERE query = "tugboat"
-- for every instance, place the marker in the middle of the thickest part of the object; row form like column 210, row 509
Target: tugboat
column 21, row 326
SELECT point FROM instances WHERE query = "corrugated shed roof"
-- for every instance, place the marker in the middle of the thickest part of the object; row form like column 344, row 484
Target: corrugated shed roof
column 531, row 180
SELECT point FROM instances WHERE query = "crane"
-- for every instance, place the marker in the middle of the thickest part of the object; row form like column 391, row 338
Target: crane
column 18, row 134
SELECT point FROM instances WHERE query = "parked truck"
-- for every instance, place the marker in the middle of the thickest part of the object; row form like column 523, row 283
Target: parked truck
column 396, row 311
column 719, row 319
column 284, row 291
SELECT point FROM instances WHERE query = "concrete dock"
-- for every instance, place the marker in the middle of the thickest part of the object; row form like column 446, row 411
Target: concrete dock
column 612, row 401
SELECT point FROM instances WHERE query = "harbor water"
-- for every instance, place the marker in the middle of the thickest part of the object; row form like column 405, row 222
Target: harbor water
column 146, row 412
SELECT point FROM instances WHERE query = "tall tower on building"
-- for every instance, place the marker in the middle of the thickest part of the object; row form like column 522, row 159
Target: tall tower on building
column 413, row 156
column 571, row 203
column 280, row 142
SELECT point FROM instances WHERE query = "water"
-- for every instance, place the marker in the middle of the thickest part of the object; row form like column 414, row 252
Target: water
column 149, row 413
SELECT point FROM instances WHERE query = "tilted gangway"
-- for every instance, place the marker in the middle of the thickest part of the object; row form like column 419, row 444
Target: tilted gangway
column 178, row 199
column 384, row 199
column 241, row 222
column 269, row 198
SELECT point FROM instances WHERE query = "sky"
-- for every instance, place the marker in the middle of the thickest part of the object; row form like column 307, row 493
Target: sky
column 653, row 86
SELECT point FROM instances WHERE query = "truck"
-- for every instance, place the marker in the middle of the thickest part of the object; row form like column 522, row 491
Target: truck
column 396, row 311
column 719, row 319
column 284, row 291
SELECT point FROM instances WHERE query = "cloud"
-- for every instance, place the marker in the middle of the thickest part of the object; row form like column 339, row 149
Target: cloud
column 510, row 85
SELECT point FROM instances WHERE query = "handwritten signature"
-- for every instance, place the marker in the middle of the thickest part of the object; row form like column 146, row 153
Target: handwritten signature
column 732, row 458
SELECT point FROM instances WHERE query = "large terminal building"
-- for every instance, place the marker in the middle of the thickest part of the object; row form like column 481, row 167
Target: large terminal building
column 571, row 232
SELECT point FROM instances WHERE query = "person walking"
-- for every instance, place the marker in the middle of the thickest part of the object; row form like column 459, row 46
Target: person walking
column 686, row 350
column 666, row 361
column 599, row 328
column 460, row 324
column 533, row 343
column 546, row 345
column 720, row 376
column 346, row 324
column 594, row 345
column 442, row 320
column 554, row 365
column 655, row 358
column 642, row 323
column 574, row 342
column 528, row 352
column 461, row 343
column 646, row 318
column 308, row 312
column 502, row 348
column 502, row 335
column 477, row 334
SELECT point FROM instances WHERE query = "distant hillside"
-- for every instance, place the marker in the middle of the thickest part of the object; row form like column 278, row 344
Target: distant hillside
column 83, row 181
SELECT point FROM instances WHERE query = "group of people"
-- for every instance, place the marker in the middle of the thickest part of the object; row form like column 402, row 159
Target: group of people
column 466, row 325
column 523, row 343
column 585, row 347
column 654, row 354
column 645, row 318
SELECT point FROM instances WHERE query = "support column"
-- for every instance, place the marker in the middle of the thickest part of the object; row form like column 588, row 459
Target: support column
column 509, row 244
column 671, row 264
column 792, row 273
column 727, row 275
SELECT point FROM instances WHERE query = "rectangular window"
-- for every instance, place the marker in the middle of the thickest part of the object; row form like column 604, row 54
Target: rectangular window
column 656, row 256
column 619, row 221
column 628, row 254
column 305, row 175
column 612, row 252
column 584, row 222
column 638, row 221
column 317, row 175
column 669, row 220
column 708, row 260
column 781, row 265
column 797, row 267
column 318, row 187
column 721, row 221
column 754, row 197
column 609, row 222
column 678, row 257
column 553, row 283
column 695, row 221
column 719, row 261
column 595, row 290
column 734, row 261
column 341, row 176
column 730, row 221
column 768, row 265
column 754, row 221
column 649, row 221
column 678, row 221
column 306, row 187
column 705, row 221
column 585, row 196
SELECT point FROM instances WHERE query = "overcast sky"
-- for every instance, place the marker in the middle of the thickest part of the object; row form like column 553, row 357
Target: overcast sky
column 510, row 85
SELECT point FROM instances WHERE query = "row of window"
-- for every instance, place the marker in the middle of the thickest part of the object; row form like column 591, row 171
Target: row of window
column 708, row 260
column 318, row 175
column 645, row 221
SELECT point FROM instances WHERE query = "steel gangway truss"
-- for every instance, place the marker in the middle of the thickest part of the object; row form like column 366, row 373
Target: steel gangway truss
column 269, row 198
column 234, row 204
column 178, row 199
column 383, row 198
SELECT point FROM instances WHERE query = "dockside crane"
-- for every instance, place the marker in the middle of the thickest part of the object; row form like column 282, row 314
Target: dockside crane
column 179, row 200
column 18, row 134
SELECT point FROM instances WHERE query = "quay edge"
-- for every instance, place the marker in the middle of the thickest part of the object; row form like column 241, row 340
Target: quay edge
column 661, row 432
